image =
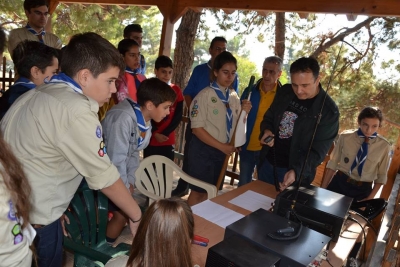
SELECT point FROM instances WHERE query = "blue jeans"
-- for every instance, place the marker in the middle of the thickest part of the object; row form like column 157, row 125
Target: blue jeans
column 48, row 244
column 266, row 173
column 248, row 160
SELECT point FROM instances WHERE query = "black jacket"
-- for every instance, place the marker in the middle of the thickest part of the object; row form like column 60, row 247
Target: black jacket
column 303, row 131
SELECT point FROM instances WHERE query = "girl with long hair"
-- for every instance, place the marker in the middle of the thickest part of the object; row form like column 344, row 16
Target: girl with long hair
column 16, row 234
column 163, row 238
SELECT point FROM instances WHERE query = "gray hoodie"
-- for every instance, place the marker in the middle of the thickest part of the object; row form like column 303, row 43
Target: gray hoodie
column 120, row 133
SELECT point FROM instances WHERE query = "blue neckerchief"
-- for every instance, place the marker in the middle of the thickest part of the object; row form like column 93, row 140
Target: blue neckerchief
column 25, row 82
column 134, row 74
column 362, row 152
column 63, row 78
column 140, row 122
column 225, row 100
column 42, row 33
column 130, row 71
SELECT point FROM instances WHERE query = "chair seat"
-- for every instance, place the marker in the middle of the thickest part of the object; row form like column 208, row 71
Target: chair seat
column 155, row 175
column 88, row 216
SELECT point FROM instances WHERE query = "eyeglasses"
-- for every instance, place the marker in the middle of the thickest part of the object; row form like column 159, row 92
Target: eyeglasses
column 38, row 13
column 220, row 49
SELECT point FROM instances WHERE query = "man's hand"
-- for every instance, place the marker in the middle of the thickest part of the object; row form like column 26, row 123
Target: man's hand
column 288, row 179
column 227, row 149
column 64, row 219
column 160, row 137
column 265, row 135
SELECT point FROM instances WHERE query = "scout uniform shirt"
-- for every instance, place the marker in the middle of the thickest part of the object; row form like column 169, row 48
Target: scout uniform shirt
column 207, row 111
column 377, row 162
column 22, row 34
column 14, row 242
column 55, row 133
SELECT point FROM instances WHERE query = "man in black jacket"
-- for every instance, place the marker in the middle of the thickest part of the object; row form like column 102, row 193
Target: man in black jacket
column 296, row 111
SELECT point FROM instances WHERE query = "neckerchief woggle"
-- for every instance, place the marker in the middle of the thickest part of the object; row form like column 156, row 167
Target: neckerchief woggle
column 31, row 30
column 225, row 100
column 362, row 152
column 140, row 122
column 63, row 78
column 25, row 82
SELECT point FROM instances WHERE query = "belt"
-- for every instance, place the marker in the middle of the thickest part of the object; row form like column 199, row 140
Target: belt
column 37, row 226
column 354, row 182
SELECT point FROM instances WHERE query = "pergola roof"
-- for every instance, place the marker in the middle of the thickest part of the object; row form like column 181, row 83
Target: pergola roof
column 177, row 7
column 172, row 10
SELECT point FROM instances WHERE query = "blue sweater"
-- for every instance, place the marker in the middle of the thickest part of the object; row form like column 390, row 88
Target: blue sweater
column 200, row 79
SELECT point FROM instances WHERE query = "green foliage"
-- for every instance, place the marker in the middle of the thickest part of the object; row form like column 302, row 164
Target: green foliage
column 245, row 70
column 108, row 21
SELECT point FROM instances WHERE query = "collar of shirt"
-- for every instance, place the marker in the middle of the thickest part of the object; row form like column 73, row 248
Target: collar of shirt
column 208, row 64
column 131, row 71
column 42, row 32
column 63, row 78
column 261, row 86
column 25, row 82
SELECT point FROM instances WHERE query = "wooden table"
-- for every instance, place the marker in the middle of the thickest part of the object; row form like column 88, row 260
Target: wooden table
column 337, row 251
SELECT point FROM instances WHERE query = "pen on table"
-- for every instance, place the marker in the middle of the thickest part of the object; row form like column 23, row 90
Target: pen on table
column 203, row 244
column 200, row 238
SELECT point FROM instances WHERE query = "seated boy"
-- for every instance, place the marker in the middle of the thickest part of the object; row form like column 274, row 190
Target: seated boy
column 127, row 130
column 34, row 63
column 163, row 137
column 55, row 133
column 129, row 82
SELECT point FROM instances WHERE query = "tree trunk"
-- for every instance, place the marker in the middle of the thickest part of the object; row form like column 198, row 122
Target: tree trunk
column 183, row 61
column 184, row 47
column 280, row 31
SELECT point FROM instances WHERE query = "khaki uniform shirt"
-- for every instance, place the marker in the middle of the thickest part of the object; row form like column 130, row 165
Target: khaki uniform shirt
column 56, row 135
column 22, row 34
column 14, row 243
column 376, row 165
column 207, row 111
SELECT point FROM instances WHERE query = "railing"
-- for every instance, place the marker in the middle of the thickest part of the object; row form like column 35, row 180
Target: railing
column 6, row 80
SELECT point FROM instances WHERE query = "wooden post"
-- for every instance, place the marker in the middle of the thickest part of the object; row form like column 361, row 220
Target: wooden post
column 171, row 14
column 386, row 190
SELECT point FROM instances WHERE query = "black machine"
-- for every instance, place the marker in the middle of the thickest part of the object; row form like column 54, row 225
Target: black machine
column 256, row 227
column 319, row 209
column 236, row 251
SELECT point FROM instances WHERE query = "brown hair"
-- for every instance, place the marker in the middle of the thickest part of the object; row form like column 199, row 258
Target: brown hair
column 15, row 181
column 371, row 113
column 163, row 238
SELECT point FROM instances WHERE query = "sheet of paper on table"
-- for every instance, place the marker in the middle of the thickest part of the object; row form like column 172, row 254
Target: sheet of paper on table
column 216, row 213
column 252, row 201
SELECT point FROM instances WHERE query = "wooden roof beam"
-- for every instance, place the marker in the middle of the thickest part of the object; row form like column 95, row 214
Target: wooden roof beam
column 197, row 9
column 358, row 7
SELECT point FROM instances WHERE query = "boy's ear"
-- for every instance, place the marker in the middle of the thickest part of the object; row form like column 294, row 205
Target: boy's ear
column 35, row 71
column 149, row 105
column 82, row 77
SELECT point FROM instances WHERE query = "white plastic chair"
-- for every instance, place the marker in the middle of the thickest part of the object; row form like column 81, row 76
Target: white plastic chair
column 155, row 175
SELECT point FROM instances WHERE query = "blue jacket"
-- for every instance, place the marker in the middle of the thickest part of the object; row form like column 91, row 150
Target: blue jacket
column 21, row 86
column 255, row 102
